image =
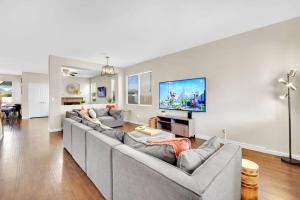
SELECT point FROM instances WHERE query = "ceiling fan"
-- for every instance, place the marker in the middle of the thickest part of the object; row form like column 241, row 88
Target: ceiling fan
column 67, row 72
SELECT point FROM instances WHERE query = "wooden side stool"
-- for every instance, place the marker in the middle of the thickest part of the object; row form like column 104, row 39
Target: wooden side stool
column 152, row 122
column 249, row 187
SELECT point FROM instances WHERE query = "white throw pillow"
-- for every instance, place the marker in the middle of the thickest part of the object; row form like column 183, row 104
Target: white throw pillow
column 92, row 114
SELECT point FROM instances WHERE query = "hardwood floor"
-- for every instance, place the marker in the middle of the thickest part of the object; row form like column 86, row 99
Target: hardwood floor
column 33, row 165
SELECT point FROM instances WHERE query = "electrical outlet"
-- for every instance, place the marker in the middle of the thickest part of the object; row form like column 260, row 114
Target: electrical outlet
column 224, row 131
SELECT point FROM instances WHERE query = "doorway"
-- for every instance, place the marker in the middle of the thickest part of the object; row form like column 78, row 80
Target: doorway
column 38, row 100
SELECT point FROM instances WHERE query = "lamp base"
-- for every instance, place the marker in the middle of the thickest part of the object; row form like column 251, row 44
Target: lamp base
column 291, row 161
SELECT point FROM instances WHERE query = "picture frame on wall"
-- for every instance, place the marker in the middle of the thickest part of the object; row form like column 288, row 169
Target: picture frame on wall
column 101, row 91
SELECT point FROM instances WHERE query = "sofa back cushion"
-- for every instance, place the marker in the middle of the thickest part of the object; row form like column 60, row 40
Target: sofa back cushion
column 115, row 113
column 89, row 123
column 191, row 159
column 116, row 134
column 179, row 144
column 79, row 114
column 77, row 119
column 164, row 152
column 101, row 112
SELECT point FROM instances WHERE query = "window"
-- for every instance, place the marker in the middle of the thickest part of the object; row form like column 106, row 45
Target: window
column 113, row 90
column 139, row 89
column 6, row 91
column 93, row 92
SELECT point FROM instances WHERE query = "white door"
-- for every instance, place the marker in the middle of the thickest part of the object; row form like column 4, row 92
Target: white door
column 38, row 100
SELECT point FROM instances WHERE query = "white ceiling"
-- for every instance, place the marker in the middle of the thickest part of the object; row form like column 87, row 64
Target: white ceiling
column 130, row 31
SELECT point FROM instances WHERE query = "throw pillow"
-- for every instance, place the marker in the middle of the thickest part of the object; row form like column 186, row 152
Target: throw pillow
column 84, row 112
column 100, row 112
column 164, row 152
column 115, row 113
column 179, row 144
column 191, row 159
column 92, row 114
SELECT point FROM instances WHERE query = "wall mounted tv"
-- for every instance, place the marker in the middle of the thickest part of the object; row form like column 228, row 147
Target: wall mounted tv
column 186, row 95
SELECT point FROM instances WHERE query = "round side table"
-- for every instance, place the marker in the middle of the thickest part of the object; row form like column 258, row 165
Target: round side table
column 249, row 187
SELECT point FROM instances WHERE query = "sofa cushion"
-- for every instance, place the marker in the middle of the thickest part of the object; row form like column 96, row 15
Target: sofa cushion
column 116, row 134
column 191, row 159
column 115, row 113
column 106, row 118
column 179, row 144
column 101, row 112
column 77, row 119
column 70, row 114
column 91, row 124
column 164, row 152
column 92, row 113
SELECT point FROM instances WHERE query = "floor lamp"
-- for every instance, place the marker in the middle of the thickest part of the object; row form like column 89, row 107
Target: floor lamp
column 290, row 86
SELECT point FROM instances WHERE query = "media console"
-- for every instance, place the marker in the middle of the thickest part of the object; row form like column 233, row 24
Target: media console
column 178, row 125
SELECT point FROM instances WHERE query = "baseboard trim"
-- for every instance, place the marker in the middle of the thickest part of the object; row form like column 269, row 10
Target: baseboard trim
column 251, row 147
column 54, row 130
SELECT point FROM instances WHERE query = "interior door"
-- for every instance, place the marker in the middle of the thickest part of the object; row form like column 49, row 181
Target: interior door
column 38, row 100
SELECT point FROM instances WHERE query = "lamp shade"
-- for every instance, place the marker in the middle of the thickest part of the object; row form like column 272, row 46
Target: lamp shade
column 282, row 80
column 283, row 97
column 292, row 86
column 293, row 73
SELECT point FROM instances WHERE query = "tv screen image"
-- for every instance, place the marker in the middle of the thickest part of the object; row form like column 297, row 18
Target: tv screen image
column 101, row 91
column 187, row 95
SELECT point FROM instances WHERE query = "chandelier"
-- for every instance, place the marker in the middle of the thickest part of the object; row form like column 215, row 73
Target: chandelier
column 107, row 70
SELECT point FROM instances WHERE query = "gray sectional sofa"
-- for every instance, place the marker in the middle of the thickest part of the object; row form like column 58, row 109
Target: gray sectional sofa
column 123, row 173
column 110, row 117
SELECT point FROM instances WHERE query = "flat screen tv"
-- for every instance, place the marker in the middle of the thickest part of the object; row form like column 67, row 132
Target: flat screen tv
column 186, row 95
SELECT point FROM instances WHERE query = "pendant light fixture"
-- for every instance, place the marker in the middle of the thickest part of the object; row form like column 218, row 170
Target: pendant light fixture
column 107, row 70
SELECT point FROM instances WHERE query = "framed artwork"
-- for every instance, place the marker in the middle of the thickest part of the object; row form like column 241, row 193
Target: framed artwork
column 101, row 91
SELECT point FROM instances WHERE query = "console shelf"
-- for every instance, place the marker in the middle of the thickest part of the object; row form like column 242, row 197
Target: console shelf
column 178, row 125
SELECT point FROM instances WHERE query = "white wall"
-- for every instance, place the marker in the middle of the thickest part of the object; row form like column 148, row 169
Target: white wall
column 84, row 87
column 242, row 87
column 55, row 89
column 16, row 86
column 27, row 78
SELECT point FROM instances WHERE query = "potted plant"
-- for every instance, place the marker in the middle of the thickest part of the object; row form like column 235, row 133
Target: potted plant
column 109, row 100
column 82, row 101
column 93, row 96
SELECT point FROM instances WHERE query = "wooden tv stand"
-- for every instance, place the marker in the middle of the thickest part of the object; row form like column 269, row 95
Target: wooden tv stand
column 178, row 125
